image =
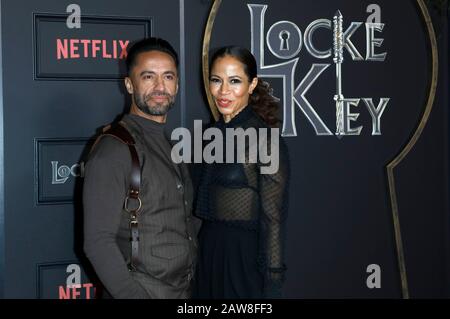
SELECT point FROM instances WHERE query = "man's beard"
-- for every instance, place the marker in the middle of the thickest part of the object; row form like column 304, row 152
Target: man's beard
column 159, row 108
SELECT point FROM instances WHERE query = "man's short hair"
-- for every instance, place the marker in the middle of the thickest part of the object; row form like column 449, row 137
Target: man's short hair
column 146, row 45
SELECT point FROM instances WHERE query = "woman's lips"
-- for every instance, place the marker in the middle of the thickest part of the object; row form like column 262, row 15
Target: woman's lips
column 224, row 103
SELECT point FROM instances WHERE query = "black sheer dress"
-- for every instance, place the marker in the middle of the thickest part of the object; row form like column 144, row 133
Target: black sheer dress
column 241, row 241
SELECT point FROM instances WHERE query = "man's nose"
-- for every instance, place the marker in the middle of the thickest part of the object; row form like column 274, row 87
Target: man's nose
column 159, row 84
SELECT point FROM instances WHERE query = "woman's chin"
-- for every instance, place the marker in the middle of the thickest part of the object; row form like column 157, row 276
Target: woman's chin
column 224, row 111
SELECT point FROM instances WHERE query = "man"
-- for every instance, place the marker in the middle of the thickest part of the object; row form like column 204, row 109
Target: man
column 166, row 241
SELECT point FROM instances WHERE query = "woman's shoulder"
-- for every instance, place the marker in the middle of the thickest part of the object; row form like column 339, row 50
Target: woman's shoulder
column 255, row 120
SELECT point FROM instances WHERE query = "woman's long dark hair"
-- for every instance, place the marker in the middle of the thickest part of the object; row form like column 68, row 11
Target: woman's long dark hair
column 261, row 100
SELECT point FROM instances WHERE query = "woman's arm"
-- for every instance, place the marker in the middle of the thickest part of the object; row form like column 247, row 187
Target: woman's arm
column 274, row 197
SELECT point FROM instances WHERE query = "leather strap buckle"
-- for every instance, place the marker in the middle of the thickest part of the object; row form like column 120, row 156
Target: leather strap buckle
column 128, row 210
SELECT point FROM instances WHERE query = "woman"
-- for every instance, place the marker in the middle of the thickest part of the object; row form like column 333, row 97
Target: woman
column 243, row 211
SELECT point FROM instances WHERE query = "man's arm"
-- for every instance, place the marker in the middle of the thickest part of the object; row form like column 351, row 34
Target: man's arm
column 104, row 192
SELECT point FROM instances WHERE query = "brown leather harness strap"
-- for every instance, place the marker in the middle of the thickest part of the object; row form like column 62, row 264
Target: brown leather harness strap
column 135, row 177
column 120, row 132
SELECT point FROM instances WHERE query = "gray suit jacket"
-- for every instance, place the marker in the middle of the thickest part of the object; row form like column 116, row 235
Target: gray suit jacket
column 167, row 229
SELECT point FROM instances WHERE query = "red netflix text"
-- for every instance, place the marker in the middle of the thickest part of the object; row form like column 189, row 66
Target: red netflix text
column 86, row 48
column 84, row 291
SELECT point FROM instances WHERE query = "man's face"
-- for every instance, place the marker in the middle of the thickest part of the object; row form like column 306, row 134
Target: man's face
column 153, row 82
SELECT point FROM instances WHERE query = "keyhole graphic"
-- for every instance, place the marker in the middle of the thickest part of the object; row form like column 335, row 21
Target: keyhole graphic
column 284, row 37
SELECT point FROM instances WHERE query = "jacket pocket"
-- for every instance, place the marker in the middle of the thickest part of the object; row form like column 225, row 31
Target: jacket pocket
column 169, row 251
column 168, row 262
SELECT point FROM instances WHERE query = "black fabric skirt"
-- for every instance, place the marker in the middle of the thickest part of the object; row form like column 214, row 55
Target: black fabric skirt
column 227, row 263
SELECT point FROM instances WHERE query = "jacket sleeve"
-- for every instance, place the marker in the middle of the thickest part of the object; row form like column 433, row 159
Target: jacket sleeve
column 273, row 190
column 104, row 191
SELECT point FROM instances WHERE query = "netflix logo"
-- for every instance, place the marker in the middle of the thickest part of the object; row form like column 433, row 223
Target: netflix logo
column 85, row 48
column 84, row 291
column 95, row 51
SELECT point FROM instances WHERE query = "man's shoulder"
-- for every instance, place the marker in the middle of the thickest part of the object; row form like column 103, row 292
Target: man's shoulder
column 109, row 148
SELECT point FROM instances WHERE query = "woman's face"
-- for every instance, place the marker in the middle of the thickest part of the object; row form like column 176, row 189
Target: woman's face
column 229, row 86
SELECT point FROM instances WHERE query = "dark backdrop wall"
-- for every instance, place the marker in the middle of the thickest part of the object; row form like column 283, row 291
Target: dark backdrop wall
column 58, row 91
